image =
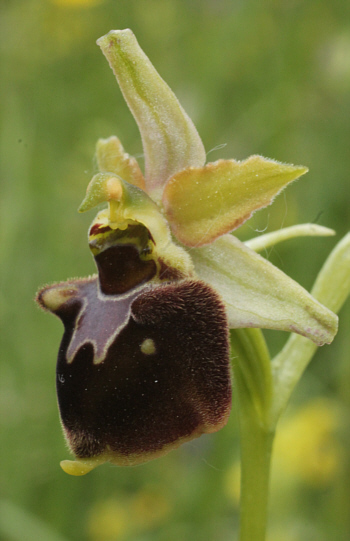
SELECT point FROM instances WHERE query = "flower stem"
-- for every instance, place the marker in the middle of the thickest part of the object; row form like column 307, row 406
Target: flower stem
column 256, row 447
column 252, row 370
column 264, row 388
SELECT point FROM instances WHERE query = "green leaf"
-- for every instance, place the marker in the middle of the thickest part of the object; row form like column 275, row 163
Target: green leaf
column 203, row 203
column 332, row 287
column 170, row 140
column 257, row 294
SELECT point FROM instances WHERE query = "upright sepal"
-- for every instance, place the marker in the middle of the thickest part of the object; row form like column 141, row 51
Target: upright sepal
column 170, row 140
column 203, row 203
column 257, row 294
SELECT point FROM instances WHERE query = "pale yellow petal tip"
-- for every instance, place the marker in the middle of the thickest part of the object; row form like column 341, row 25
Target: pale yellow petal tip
column 112, row 158
column 301, row 169
column 112, row 36
column 79, row 467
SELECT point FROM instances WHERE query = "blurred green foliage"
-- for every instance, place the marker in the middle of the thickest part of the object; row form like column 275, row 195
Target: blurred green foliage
column 269, row 77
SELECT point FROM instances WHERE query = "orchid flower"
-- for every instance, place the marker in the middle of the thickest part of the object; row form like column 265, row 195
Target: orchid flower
column 144, row 361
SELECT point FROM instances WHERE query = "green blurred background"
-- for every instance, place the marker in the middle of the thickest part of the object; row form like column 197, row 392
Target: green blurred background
column 266, row 77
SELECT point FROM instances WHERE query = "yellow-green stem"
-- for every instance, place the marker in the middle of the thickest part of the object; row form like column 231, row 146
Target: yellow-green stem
column 256, row 449
column 253, row 383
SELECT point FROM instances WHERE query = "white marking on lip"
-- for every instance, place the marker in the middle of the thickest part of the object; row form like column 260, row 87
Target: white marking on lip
column 101, row 325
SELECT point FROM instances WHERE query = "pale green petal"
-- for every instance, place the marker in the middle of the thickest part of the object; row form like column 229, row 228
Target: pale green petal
column 112, row 158
column 202, row 203
column 301, row 230
column 170, row 140
column 257, row 294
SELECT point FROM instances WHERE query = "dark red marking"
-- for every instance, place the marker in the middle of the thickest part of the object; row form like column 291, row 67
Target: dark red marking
column 167, row 273
column 98, row 228
column 120, row 269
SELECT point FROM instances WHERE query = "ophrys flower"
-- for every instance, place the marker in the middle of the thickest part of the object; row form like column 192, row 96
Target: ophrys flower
column 144, row 361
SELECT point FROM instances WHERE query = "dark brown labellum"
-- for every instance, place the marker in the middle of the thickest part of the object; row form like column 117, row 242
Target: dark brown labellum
column 141, row 372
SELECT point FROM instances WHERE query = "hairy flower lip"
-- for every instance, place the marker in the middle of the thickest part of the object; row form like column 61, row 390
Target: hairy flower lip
column 172, row 405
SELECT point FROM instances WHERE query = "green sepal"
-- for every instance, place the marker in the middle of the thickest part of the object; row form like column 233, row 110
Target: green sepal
column 258, row 294
column 170, row 140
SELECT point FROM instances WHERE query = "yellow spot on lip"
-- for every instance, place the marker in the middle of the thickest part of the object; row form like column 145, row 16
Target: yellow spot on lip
column 148, row 346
